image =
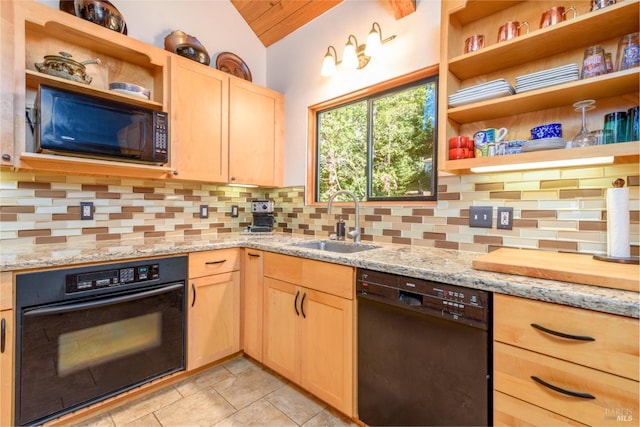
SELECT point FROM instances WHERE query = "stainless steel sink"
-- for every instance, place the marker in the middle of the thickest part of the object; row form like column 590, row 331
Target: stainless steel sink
column 333, row 246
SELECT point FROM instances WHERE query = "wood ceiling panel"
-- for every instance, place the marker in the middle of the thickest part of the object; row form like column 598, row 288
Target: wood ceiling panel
column 296, row 20
column 273, row 20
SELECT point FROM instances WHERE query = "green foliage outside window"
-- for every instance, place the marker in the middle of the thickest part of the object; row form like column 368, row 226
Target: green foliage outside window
column 380, row 148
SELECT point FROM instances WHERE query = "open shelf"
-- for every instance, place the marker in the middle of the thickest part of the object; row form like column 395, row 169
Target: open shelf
column 621, row 19
column 608, row 85
column 624, row 152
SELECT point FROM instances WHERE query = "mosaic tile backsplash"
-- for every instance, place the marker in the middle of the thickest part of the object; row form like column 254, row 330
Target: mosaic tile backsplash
column 562, row 210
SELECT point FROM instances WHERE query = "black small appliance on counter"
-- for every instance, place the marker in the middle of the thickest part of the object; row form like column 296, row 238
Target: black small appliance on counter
column 263, row 218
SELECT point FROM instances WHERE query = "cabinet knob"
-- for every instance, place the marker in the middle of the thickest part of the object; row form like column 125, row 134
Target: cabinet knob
column 6, row 156
column 175, row 173
column 233, row 178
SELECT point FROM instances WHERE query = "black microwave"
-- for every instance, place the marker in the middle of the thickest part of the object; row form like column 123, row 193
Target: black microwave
column 78, row 124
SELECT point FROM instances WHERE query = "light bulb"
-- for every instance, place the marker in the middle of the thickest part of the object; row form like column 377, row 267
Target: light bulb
column 328, row 63
column 349, row 56
column 374, row 43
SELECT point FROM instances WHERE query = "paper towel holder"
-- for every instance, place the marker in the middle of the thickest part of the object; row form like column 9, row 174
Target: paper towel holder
column 620, row 260
column 618, row 183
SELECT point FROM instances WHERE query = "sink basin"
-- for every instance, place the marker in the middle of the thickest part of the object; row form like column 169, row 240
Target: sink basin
column 333, row 246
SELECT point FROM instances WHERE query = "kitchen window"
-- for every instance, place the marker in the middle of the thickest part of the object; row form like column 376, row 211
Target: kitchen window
column 379, row 143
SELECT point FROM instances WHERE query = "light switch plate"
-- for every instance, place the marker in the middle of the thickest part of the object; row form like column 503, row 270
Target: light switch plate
column 234, row 211
column 480, row 216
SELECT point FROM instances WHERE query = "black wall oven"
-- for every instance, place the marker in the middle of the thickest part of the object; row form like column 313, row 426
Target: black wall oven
column 88, row 333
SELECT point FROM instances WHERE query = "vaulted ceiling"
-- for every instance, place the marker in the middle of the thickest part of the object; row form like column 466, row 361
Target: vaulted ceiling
column 272, row 20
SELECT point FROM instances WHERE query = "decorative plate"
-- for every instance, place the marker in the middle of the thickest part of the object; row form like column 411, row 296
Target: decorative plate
column 233, row 64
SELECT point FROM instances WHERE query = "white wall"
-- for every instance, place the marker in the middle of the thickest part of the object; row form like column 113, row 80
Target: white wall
column 293, row 64
column 215, row 23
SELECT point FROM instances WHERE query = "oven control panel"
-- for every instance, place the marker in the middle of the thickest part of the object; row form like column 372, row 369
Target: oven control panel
column 114, row 277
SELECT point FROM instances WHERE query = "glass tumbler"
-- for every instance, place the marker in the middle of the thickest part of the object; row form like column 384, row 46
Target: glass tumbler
column 594, row 63
column 628, row 52
column 633, row 124
column 615, row 127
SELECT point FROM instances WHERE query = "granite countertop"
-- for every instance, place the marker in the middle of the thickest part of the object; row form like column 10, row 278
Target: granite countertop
column 440, row 265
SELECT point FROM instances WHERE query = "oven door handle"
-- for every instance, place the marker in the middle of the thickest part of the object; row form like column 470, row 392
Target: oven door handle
column 103, row 302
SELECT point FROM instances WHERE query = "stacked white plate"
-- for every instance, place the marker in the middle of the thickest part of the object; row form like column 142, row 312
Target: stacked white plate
column 543, row 144
column 550, row 77
column 493, row 89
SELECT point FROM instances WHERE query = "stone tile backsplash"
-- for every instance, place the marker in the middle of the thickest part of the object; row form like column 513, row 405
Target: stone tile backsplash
column 560, row 210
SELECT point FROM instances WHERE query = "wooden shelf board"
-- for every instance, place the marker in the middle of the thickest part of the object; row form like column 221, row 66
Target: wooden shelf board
column 35, row 78
column 37, row 161
column 477, row 9
column 622, row 19
column 628, row 152
column 609, row 85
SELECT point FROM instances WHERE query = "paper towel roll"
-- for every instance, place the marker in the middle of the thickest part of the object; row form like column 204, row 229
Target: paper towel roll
column 618, row 222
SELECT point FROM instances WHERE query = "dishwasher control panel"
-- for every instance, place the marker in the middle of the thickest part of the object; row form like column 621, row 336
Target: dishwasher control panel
column 456, row 303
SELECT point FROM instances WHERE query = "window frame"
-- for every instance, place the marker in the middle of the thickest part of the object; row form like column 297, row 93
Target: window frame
column 376, row 90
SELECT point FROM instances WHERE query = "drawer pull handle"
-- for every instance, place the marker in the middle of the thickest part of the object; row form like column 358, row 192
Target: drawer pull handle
column 302, row 305
column 215, row 262
column 563, row 335
column 3, row 335
column 253, row 255
column 295, row 303
column 563, row 391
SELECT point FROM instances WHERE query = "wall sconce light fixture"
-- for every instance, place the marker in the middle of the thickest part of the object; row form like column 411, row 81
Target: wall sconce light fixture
column 355, row 56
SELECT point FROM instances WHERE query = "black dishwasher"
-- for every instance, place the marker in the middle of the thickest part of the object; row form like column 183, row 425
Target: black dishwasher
column 424, row 352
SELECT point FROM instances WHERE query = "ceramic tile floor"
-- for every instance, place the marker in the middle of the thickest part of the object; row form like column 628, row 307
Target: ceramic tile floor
column 236, row 393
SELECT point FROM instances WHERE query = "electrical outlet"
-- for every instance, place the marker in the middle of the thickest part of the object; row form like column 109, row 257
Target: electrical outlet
column 480, row 216
column 505, row 218
column 86, row 210
column 204, row 211
column 234, row 211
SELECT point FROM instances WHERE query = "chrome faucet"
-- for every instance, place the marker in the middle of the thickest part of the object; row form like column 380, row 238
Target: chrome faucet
column 355, row 233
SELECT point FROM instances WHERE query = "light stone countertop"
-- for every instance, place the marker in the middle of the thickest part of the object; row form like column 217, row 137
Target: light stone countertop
column 440, row 265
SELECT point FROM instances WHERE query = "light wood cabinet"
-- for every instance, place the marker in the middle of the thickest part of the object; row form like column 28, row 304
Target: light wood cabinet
column 540, row 49
column 40, row 30
column 213, row 306
column 308, row 333
column 199, row 125
column 256, row 134
column 7, row 86
column 252, row 297
column 6, row 368
column 224, row 129
column 539, row 346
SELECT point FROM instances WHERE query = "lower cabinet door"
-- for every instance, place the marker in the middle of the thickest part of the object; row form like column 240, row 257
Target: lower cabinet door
column 281, row 302
column 326, row 348
column 214, row 318
column 6, row 369
column 252, row 294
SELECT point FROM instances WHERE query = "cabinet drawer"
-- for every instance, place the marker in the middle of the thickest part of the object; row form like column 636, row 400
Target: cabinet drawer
column 613, row 396
column 615, row 344
column 319, row 275
column 213, row 262
column 509, row 412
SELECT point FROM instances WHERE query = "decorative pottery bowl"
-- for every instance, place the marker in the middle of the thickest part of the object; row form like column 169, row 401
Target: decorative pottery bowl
column 549, row 130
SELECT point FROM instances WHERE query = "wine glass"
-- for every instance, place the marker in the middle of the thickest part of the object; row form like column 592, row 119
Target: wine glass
column 584, row 138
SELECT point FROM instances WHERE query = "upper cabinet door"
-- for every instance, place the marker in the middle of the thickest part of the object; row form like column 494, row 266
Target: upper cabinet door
column 256, row 134
column 199, row 130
